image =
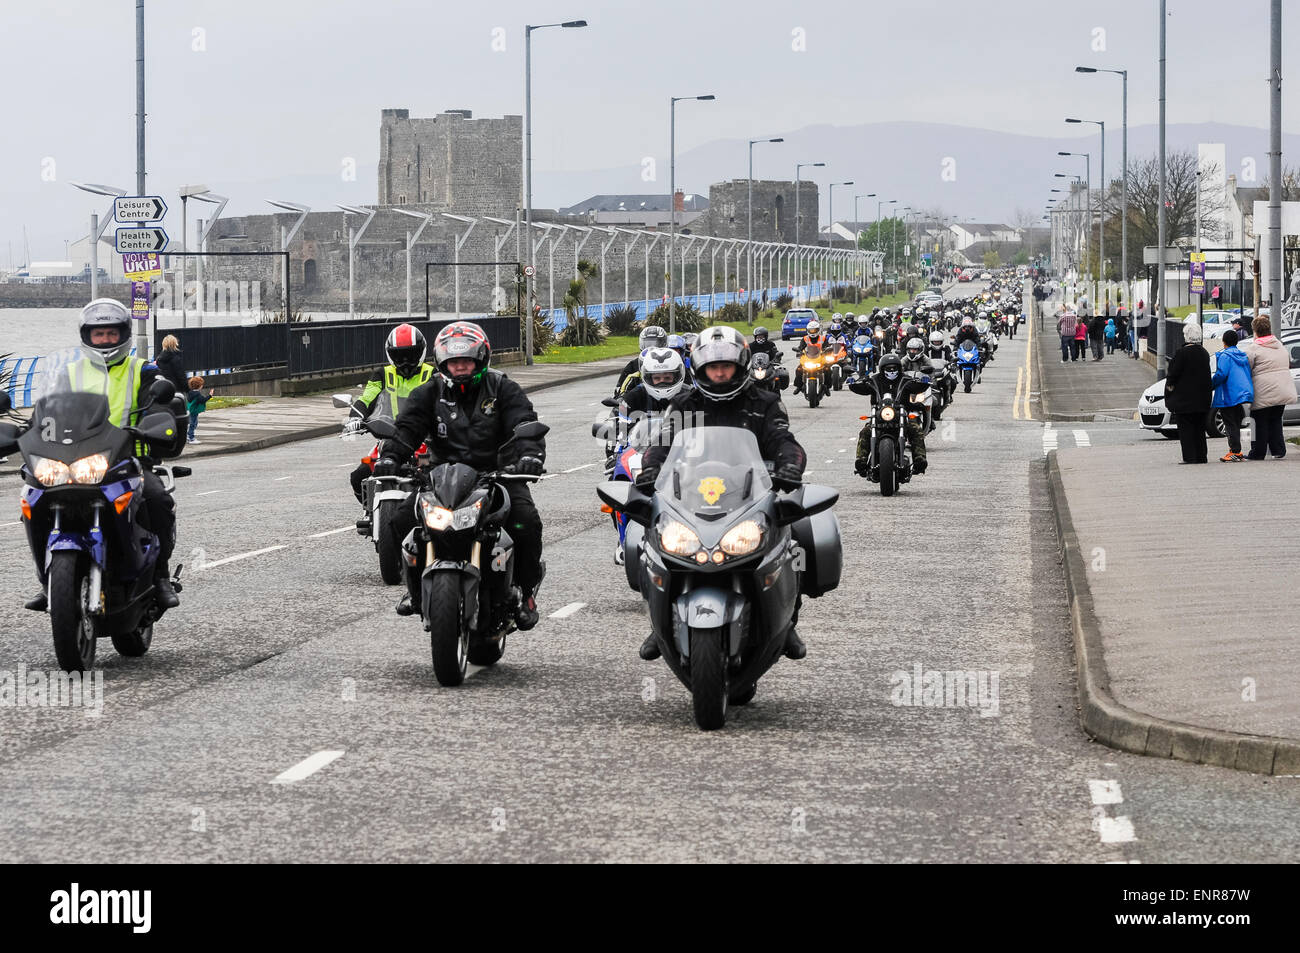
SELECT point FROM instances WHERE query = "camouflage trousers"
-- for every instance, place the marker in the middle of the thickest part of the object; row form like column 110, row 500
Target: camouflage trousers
column 913, row 430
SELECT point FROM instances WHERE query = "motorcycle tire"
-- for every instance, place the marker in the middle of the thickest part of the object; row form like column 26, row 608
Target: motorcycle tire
column 888, row 475
column 486, row 652
column 135, row 643
column 814, row 395
column 965, row 381
column 388, row 545
column 448, row 640
column 709, row 678
column 74, row 631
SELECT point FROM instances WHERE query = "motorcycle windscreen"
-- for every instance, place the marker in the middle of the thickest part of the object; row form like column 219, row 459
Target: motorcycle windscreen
column 452, row 483
column 70, row 411
column 712, row 471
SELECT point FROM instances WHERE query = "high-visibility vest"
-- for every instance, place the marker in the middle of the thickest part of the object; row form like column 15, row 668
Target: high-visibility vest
column 122, row 387
column 399, row 388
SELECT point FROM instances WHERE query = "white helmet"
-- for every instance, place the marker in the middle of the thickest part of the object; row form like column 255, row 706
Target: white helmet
column 863, row 322
column 814, row 327
column 914, row 348
column 837, row 316
column 936, row 339
column 662, row 360
column 107, row 314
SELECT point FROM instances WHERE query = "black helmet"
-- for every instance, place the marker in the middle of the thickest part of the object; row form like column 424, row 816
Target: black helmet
column 107, row 313
column 760, row 334
column 720, row 344
column 406, row 349
column 891, row 365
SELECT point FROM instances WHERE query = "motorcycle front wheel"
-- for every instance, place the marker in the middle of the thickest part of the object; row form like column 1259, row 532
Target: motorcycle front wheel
column 74, row 631
column 448, row 640
column 709, row 680
column 387, row 544
column 888, row 475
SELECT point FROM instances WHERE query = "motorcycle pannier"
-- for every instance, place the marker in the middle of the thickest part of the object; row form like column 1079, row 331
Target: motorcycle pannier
column 819, row 538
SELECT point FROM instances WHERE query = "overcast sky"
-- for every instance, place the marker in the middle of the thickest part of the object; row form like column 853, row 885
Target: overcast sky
column 242, row 91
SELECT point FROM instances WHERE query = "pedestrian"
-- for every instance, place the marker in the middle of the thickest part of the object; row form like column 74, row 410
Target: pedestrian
column 1066, row 322
column 1233, row 389
column 1141, row 321
column 1111, row 335
column 1242, row 327
column 1097, row 335
column 1122, row 322
column 1080, row 349
column 197, row 402
column 1270, row 371
column 1188, row 395
column 169, row 362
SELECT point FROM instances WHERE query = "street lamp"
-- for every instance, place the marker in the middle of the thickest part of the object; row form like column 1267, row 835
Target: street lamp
column 830, row 225
column 798, row 264
column 672, row 203
column 97, row 229
column 1087, row 241
column 749, row 253
column 286, row 236
column 354, row 237
column 1123, row 228
column 1102, row 253
column 528, row 173
column 220, row 202
column 893, row 241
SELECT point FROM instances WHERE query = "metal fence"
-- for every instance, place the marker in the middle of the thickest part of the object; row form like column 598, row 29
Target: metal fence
column 318, row 348
column 211, row 350
column 706, row 303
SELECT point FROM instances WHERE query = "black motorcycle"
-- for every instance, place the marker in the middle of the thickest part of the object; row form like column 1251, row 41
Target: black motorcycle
column 888, row 462
column 768, row 375
column 721, row 560
column 467, row 593
column 83, row 502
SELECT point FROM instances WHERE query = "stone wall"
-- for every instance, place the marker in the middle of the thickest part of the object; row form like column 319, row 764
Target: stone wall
column 774, row 211
column 451, row 162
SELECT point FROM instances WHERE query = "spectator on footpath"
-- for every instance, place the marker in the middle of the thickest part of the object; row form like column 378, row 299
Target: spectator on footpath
column 1112, row 334
column 1141, row 321
column 1242, row 326
column 1270, row 371
column 1080, row 348
column 1233, row 389
column 169, row 363
column 1188, row 394
column 1097, row 335
column 1066, row 321
column 196, row 401
column 1123, row 320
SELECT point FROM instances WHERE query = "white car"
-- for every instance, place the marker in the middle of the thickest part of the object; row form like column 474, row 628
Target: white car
column 1151, row 405
column 986, row 277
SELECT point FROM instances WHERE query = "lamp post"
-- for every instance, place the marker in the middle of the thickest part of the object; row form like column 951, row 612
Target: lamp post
column 1102, row 236
column 672, row 201
column 97, row 229
column 185, row 192
column 798, row 264
column 857, row 235
column 749, row 216
column 1123, row 227
column 354, row 238
column 286, row 236
column 528, row 173
column 1087, row 241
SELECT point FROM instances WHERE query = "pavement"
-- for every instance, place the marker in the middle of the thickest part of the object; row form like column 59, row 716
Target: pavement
column 1087, row 390
column 284, row 713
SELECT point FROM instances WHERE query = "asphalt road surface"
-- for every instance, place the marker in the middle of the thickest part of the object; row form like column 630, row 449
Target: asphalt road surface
column 286, row 653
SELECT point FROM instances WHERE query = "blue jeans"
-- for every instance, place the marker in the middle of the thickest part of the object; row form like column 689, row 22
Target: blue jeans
column 194, row 422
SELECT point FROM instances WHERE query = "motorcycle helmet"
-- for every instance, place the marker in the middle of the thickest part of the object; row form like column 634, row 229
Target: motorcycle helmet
column 761, row 369
column 760, row 335
column 657, row 364
column 462, row 339
column 652, row 336
column 968, row 322
column 848, row 317
column 107, row 314
column 814, row 327
column 836, row 327
column 906, row 314
column 891, row 365
column 719, row 345
column 836, row 317
column 405, row 348
column 677, row 343
column 936, row 339
column 915, row 346
column 863, row 322
column 690, row 339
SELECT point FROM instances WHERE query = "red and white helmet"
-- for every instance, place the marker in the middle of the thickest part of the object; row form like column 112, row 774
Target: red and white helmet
column 457, row 340
column 406, row 349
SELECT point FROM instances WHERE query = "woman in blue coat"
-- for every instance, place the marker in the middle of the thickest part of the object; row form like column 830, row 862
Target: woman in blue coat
column 1233, row 389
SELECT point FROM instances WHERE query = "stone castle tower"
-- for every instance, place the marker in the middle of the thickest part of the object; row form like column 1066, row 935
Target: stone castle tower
column 452, row 162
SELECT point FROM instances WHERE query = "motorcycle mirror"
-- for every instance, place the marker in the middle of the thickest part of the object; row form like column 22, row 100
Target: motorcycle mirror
column 531, row 429
column 162, row 390
column 817, row 498
column 5, row 402
column 8, row 437
column 341, row 400
column 610, row 402
column 156, row 427
column 603, row 430
column 623, row 497
column 381, row 427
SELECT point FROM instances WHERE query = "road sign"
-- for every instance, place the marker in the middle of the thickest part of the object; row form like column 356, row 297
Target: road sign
column 1151, row 255
column 132, row 209
column 139, row 240
column 140, row 267
column 529, row 270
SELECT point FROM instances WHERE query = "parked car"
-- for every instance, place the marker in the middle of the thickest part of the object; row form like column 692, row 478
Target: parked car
column 795, row 322
column 964, row 276
column 986, row 277
column 1151, row 405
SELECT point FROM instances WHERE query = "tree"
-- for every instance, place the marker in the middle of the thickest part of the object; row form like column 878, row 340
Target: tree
column 889, row 235
column 992, row 259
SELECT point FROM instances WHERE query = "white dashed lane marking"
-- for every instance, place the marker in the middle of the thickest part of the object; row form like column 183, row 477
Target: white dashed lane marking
column 308, row 767
column 331, row 532
column 1112, row 829
column 233, row 559
column 565, row 611
column 1081, row 439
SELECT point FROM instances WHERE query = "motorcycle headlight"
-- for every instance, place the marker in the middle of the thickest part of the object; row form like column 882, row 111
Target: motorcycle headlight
column 435, row 517
column 467, row 516
column 742, row 539
column 50, row 472
column 89, row 469
column 678, row 539
column 887, row 413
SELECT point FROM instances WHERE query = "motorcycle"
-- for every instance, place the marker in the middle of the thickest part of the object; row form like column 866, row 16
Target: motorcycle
column 768, row 375
column 467, row 601
column 863, row 354
column 83, row 502
column 381, row 497
column 968, row 363
column 888, row 461
column 815, row 377
column 723, row 560
column 838, row 362
column 941, row 386
column 630, row 446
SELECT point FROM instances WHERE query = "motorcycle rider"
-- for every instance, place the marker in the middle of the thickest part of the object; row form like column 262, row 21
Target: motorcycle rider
column 762, row 344
column 938, row 350
column 677, row 342
column 724, row 396
column 105, row 327
column 651, row 336
column 663, row 375
column 390, row 386
column 464, row 414
column 814, row 336
column 890, row 379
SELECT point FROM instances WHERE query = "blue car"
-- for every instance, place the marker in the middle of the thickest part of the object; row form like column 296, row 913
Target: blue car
column 795, row 322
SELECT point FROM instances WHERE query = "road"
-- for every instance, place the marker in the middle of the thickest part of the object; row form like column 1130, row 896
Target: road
column 572, row 748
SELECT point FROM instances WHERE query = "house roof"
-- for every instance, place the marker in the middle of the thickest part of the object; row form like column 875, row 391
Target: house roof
column 654, row 202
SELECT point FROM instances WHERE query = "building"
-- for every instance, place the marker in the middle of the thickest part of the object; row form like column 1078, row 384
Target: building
column 452, row 162
column 774, row 211
column 636, row 211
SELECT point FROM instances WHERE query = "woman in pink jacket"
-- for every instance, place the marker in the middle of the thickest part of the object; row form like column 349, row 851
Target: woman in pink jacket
column 1270, row 369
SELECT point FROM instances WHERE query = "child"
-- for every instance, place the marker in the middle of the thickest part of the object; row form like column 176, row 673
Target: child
column 1080, row 348
column 1111, row 335
column 196, row 401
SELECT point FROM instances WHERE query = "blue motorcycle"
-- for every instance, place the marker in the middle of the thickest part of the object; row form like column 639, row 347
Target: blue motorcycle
column 82, row 506
column 862, row 353
column 968, row 362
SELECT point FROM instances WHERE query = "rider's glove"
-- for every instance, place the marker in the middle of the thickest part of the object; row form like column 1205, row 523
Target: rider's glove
column 529, row 466
column 386, row 466
column 354, row 425
column 787, row 477
column 645, row 480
